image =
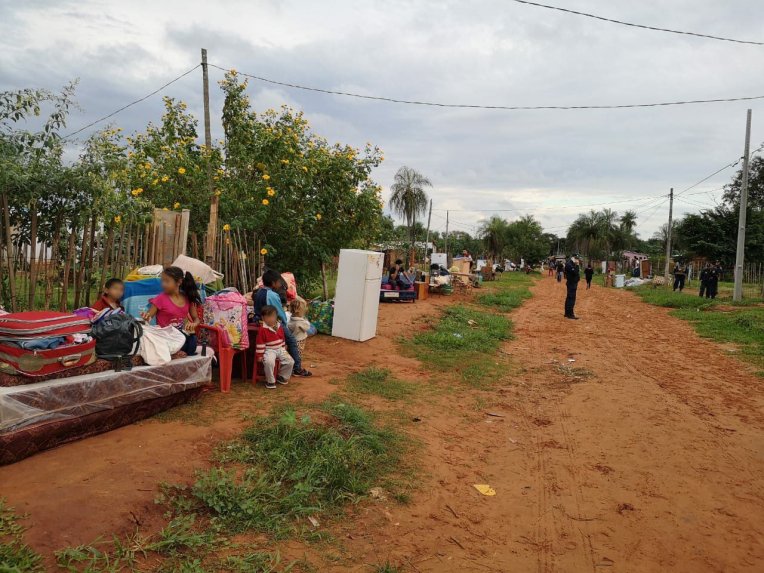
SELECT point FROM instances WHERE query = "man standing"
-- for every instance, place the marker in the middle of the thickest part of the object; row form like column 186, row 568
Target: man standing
column 572, row 276
column 588, row 274
column 714, row 274
column 680, row 274
column 560, row 267
column 705, row 277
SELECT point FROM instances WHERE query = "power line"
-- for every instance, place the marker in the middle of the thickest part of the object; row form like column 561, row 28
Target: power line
column 556, row 207
column 493, row 107
column 653, row 28
column 123, row 108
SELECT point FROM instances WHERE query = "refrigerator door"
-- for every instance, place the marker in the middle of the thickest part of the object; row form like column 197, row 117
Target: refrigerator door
column 374, row 262
column 356, row 301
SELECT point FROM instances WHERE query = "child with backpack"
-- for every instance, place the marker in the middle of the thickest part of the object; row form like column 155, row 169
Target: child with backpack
column 271, row 346
column 177, row 306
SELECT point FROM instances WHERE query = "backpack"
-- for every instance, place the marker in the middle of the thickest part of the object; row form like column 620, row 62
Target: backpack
column 117, row 335
column 227, row 310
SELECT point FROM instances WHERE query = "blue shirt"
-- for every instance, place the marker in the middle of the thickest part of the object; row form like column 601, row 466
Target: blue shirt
column 266, row 296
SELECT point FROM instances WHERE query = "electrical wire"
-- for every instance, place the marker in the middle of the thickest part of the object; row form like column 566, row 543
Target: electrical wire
column 633, row 25
column 123, row 108
column 556, row 207
column 490, row 107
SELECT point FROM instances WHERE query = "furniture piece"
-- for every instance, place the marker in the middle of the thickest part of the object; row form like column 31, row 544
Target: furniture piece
column 356, row 303
column 225, row 354
column 42, row 415
column 421, row 290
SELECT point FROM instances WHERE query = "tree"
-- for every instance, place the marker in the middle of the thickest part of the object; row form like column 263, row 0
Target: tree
column 525, row 240
column 755, row 186
column 409, row 199
column 494, row 235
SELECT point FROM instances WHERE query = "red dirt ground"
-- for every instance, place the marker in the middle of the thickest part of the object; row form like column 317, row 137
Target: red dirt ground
column 630, row 458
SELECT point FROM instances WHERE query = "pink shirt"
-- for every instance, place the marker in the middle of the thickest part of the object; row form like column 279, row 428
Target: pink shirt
column 169, row 313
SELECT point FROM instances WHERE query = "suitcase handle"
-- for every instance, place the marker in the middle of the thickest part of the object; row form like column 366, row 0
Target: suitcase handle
column 70, row 360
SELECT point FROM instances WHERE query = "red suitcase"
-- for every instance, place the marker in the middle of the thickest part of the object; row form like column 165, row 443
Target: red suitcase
column 23, row 327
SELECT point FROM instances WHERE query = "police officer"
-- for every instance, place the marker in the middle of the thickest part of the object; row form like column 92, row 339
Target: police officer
column 680, row 274
column 705, row 276
column 714, row 273
column 572, row 276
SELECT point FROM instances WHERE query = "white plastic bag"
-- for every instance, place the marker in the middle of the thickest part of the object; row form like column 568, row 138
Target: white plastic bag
column 159, row 343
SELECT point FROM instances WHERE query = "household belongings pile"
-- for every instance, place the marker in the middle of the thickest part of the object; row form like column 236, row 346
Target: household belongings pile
column 54, row 389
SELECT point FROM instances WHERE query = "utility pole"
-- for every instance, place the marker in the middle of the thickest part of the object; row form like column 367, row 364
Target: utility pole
column 446, row 247
column 737, row 293
column 668, row 234
column 212, row 226
column 427, row 237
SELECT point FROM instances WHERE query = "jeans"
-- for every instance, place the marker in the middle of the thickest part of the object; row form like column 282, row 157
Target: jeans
column 189, row 347
column 269, row 363
column 570, row 300
column 294, row 352
column 679, row 282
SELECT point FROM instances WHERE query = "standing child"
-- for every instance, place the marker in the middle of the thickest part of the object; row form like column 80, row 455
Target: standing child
column 271, row 346
column 177, row 306
column 299, row 326
column 111, row 297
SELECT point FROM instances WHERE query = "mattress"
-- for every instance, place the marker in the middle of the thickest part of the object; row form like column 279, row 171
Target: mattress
column 44, row 414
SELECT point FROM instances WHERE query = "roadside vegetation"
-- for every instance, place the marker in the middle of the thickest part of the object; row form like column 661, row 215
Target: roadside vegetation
column 739, row 324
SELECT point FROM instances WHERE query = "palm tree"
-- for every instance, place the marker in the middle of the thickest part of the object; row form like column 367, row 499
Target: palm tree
column 493, row 232
column 409, row 199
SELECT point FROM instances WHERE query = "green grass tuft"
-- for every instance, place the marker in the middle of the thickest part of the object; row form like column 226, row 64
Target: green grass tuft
column 15, row 555
column 507, row 293
column 379, row 382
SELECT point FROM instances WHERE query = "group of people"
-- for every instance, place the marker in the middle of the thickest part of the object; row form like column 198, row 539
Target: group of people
column 279, row 339
column 709, row 278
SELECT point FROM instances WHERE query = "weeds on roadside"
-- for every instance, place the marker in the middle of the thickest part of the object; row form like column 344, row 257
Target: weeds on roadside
column 15, row 555
column 379, row 382
column 508, row 293
column 288, row 466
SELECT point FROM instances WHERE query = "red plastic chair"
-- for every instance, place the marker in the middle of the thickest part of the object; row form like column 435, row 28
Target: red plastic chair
column 225, row 355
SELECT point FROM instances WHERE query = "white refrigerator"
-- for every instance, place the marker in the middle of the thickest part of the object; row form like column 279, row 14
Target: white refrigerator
column 356, row 302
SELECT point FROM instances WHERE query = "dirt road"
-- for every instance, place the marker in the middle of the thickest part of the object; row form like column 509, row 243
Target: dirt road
column 618, row 443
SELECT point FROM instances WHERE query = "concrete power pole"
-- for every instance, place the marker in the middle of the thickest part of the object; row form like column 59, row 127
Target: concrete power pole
column 427, row 237
column 212, row 226
column 668, row 235
column 446, row 246
column 737, row 293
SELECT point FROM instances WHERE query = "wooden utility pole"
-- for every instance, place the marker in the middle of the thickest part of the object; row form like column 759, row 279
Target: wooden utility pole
column 212, row 227
column 668, row 234
column 737, row 293
column 427, row 236
column 446, row 246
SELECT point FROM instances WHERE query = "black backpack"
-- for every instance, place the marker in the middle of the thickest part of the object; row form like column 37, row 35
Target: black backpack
column 117, row 336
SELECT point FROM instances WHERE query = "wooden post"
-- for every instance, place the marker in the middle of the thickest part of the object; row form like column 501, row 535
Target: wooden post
column 32, row 253
column 212, row 226
column 91, row 249
column 67, row 267
column 668, row 235
column 9, row 251
column 323, row 280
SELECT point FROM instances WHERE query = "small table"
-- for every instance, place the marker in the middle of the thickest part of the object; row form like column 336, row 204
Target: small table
column 421, row 289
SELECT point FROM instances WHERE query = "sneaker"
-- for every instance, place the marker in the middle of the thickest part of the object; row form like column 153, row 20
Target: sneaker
column 303, row 372
column 270, row 385
column 281, row 380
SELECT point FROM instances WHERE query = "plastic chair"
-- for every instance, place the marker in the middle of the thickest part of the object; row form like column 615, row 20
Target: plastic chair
column 225, row 356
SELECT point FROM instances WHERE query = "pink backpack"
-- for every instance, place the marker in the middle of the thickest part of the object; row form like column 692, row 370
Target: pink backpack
column 227, row 310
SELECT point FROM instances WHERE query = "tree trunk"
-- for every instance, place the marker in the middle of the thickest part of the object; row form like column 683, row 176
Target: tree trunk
column 51, row 273
column 79, row 273
column 33, row 253
column 9, row 251
column 107, row 253
column 67, row 267
column 89, row 268
column 323, row 281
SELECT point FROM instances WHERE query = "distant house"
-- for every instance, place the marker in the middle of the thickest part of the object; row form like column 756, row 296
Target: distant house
column 633, row 257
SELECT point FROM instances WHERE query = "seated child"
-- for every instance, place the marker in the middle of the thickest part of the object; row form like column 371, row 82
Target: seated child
column 111, row 297
column 177, row 306
column 270, row 346
column 299, row 326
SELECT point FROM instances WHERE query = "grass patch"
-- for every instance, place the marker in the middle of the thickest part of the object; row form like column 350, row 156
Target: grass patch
column 288, row 466
column 738, row 324
column 464, row 341
column 507, row 293
column 15, row 555
column 379, row 382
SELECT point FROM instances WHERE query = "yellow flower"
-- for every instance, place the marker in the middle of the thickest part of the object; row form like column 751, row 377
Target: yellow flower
column 304, row 168
column 118, row 219
column 265, row 202
column 136, row 192
column 176, row 205
column 318, row 216
column 226, row 227
column 266, row 177
column 271, row 191
column 165, row 209
column 181, row 170
column 263, row 251
column 147, row 166
column 217, row 192
column 165, row 179
column 155, row 181
column 260, row 166
column 285, row 161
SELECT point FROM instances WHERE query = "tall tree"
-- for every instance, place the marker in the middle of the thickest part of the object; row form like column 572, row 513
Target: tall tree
column 409, row 198
column 494, row 235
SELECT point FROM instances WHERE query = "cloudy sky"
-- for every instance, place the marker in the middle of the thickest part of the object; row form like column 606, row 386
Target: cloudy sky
column 549, row 163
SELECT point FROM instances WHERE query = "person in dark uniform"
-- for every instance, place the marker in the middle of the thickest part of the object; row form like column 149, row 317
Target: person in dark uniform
column 572, row 276
column 714, row 273
column 560, row 267
column 705, row 276
column 588, row 273
column 680, row 274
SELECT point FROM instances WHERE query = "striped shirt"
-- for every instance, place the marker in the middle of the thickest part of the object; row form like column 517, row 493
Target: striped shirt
column 269, row 338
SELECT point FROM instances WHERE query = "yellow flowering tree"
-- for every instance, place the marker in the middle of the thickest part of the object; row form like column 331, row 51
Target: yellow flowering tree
column 305, row 197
